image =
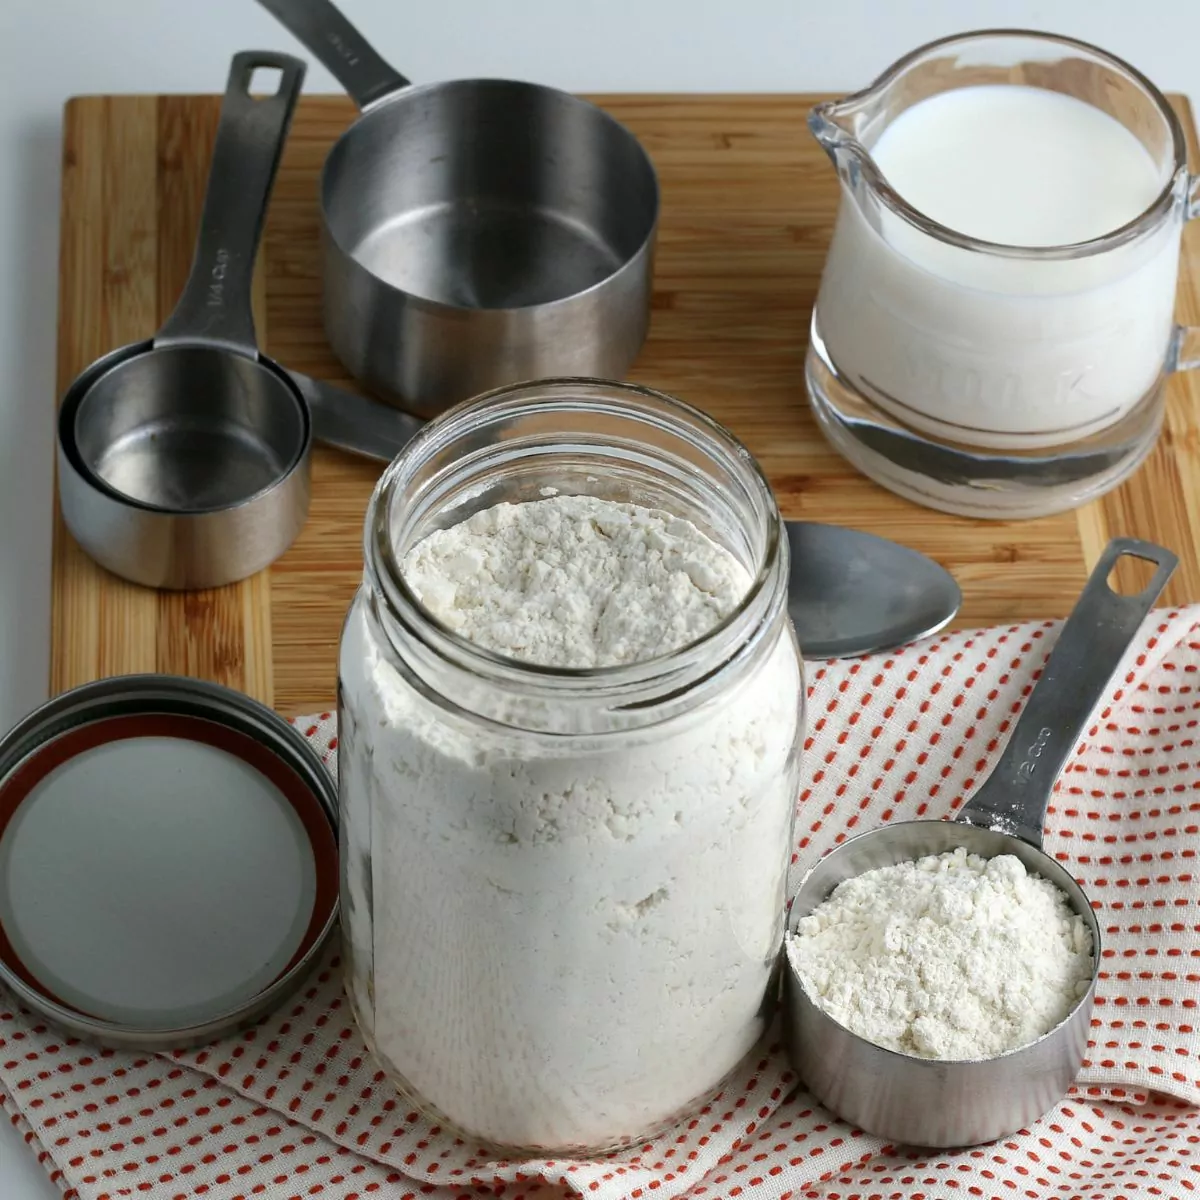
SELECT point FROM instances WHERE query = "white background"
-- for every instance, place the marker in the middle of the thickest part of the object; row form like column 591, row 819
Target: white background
column 52, row 49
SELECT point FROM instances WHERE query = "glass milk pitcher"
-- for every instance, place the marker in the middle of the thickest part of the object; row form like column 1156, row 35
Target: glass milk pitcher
column 1025, row 374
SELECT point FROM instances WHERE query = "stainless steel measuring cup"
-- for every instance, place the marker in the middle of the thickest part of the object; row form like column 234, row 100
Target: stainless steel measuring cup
column 476, row 232
column 183, row 461
column 935, row 1103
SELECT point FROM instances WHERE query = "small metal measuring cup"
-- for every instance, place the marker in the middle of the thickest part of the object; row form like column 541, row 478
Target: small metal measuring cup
column 183, row 461
column 936, row 1103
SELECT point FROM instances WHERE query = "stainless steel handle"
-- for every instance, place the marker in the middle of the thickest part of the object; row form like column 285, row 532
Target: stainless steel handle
column 215, row 305
column 1090, row 647
column 354, row 423
column 322, row 29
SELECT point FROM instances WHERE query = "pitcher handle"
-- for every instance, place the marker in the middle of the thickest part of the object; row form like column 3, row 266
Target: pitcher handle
column 1184, row 352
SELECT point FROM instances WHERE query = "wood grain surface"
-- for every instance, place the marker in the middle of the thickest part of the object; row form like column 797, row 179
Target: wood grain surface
column 748, row 207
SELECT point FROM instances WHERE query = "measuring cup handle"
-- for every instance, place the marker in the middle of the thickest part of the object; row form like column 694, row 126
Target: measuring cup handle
column 354, row 423
column 216, row 302
column 1074, row 680
column 325, row 33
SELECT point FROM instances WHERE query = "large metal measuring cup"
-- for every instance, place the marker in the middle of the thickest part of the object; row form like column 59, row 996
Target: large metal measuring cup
column 475, row 232
column 183, row 461
column 934, row 1103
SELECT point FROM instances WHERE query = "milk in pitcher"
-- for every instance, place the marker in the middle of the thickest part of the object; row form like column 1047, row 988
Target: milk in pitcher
column 1003, row 350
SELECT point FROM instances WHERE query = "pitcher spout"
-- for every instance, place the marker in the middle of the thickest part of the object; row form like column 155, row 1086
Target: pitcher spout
column 841, row 125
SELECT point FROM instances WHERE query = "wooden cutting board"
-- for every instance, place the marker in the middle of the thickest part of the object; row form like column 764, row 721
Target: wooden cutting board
column 748, row 207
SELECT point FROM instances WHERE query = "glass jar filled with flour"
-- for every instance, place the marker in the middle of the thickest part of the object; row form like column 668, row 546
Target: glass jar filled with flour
column 571, row 709
column 995, row 319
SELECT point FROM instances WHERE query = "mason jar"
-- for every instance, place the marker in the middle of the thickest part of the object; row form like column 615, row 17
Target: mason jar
column 563, row 889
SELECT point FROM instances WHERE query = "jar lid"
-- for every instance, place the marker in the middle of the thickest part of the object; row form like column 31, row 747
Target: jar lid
column 168, row 861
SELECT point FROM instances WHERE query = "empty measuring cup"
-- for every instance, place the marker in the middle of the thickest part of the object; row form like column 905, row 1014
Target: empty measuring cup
column 183, row 461
column 939, row 1103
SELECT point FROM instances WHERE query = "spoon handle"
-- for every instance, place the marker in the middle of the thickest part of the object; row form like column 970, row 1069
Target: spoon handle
column 1074, row 680
column 355, row 424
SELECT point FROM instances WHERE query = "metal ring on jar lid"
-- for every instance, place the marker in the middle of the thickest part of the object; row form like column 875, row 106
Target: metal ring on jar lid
column 168, row 861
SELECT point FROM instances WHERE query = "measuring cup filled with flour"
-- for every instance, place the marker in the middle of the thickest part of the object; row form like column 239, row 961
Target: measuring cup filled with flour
column 570, row 703
column 995, row 322
column 941, row 974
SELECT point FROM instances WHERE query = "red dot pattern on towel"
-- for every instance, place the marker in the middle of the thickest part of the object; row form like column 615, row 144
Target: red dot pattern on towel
column 295, row 1108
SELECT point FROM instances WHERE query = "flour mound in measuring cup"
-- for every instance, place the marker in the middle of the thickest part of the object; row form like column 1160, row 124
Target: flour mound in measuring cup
column 575, row 581
column 562, row 938
column 952, row 956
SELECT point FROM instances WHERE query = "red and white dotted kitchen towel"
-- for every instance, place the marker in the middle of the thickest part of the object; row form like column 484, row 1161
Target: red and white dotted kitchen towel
column 294, row 1108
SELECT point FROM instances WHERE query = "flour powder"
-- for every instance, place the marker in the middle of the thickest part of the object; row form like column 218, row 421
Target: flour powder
column 950, row 957
column 573, row 581
column 564, row 940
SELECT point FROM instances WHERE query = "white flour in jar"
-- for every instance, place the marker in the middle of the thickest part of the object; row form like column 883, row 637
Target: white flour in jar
column 572, row 938
column 952, row 956
column 573, row 581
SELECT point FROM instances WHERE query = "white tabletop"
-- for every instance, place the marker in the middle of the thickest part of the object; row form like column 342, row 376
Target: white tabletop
column 65, row 47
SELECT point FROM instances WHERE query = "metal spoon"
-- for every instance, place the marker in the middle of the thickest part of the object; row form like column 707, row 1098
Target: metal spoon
column 851, row 593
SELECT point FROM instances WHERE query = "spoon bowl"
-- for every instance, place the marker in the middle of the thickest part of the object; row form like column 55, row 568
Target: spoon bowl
column 852, row 593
